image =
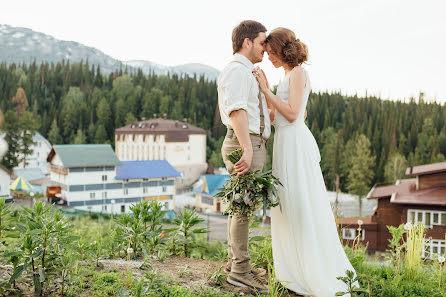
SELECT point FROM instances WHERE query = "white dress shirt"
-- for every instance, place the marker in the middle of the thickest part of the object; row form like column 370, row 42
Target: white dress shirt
column 238, row 89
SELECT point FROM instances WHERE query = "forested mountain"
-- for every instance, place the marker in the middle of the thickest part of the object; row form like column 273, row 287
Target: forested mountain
column 76, row 103
column 23, row 45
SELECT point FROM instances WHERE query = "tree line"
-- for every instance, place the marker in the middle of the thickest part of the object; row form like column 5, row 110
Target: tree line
column 363, row 140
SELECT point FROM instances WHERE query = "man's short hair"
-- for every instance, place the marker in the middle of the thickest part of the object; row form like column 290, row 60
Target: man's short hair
column 246, row 29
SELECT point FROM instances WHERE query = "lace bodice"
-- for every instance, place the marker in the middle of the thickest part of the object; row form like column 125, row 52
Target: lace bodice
column 283, row 92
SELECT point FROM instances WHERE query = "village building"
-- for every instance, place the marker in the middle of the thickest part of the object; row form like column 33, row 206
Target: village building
column 421, row 198
column 40, row 150
column 91, row 178
column 206, row 188
column 180, row 143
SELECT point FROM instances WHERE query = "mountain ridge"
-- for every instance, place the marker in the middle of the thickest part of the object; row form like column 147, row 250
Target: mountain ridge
column 22, row 45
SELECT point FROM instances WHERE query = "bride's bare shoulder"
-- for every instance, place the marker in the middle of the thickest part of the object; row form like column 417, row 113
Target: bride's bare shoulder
column 297, row 74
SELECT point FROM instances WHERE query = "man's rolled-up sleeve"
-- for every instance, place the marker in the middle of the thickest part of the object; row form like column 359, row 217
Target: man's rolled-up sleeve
column 235, row 87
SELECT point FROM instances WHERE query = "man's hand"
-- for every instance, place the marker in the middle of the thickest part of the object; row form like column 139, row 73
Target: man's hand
column 243, row 165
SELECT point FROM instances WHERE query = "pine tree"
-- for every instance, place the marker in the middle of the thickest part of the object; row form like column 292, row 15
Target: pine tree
column 395, row 168
column 101, row 135
column 80, row 137
column 130, row 118
column 361, row 174
column 11, row 128
column 28, row 127
column 20, row 101
column 54, row 134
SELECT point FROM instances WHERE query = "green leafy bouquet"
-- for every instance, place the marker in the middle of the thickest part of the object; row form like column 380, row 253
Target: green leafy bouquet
column 246, row 193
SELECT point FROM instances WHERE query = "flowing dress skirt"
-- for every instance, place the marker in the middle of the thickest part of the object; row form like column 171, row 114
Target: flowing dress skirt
column 307, row 252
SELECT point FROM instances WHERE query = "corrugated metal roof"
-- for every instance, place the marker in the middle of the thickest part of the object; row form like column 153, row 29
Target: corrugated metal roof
column 86, row 155
column 145, row 169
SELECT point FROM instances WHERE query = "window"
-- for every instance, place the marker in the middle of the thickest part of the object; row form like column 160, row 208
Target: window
column 126, row 191
column 433, row 248
column 144, row 190
column 429, row 218
column 348, row 233
column 164, row 189
column 166, row 205
column 104, row 178
column 351, row 233
column 122, row 208
column 104, row 195
column 92, row 195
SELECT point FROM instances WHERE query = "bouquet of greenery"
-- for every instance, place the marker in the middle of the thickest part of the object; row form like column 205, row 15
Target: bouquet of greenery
column 244, row 194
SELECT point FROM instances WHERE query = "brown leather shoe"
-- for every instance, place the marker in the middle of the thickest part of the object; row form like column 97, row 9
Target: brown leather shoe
column 254, row 270
column 247, row 279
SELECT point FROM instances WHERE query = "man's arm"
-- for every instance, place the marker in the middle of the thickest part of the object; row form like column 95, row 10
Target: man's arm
column 240, row 124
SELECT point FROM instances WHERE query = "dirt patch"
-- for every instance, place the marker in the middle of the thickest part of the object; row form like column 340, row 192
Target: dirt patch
column 186, row 272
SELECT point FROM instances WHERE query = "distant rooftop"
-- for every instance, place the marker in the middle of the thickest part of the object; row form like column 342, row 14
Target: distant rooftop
column 426, row 169
column 174, row 131
column 407, row 194
column 145, row 169
column 85, row 155
column 209, row 183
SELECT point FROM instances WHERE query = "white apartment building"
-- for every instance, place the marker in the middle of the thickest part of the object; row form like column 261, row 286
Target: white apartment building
column 93, row 179
column 180, row 143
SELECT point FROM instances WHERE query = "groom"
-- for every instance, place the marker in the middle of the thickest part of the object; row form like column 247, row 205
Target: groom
column 244, row 112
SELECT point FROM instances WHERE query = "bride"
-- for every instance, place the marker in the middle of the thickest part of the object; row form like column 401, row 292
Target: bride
column 307, row 252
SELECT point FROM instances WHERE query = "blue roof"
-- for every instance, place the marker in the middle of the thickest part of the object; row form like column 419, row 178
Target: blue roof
column 213, row 182
column 145, row 169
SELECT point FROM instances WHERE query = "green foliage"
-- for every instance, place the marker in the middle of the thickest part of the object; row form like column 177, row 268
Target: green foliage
column 243, row 194
column 395, row 168
column 187, row 221
column 361, row 174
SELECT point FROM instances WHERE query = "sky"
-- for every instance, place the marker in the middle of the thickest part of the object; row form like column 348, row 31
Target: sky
column 389, row 48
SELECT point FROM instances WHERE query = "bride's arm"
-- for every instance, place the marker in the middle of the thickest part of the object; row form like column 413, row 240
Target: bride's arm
column 291, row 109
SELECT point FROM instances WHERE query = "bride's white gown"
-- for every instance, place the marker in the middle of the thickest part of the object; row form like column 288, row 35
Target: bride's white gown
column 307, row 252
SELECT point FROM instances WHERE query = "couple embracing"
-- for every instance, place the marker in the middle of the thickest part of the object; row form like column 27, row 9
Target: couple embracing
column 307, row 252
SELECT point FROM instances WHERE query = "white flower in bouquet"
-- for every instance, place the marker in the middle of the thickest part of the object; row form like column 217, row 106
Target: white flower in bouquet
column 129, row 251
column 360, row 222
column 408, row 226
column 441, row 259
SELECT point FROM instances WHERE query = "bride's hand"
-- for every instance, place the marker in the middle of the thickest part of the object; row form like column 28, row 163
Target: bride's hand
column 261, row 79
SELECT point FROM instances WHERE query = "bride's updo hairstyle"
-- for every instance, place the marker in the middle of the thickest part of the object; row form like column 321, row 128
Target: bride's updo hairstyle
column 284, row 44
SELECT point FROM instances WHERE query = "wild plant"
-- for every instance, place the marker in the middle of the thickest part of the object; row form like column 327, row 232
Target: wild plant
column 44, row 234
column 351, row 281
column 414, row 248
column 396, row 246
column 65, row 265
column 5, row 216
column 186, row 220
column 185, row 271
column 132, row 233
column 96, row 251
column 218, row 277
column 275, row 288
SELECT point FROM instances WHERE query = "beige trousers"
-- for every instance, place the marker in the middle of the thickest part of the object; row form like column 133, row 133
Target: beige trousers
column 238, row 226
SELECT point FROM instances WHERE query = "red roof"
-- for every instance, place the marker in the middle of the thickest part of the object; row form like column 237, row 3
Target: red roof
column 382, row 192
column 174, row 131
column 426, row 169
column 406, row 193
column 354, row 221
